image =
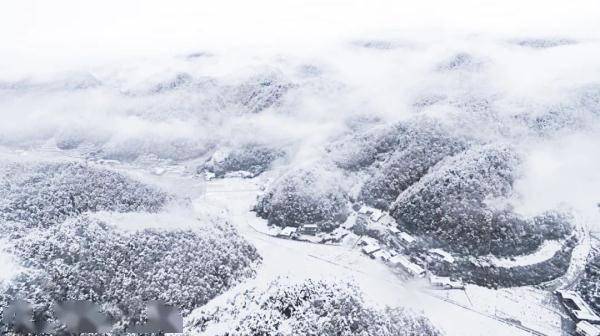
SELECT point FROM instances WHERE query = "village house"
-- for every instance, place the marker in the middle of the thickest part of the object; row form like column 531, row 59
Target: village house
column 408, row 266
column 287, row 232
column 406, row 239
column 368, row 241
column 445, row 282
column 382, row 255
column 334, row 236
column 309, row 229
column 369, row 249
column 393, row 230
column 350, row 222
column 585, row 328
column 441, row 255
column 576, row 307
column 376, row 215
column 388, row 220
column 365, row 210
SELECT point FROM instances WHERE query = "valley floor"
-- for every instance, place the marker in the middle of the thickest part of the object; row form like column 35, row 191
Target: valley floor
column 475, row 311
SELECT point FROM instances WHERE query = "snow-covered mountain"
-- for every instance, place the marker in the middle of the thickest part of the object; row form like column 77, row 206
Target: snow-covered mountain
column 302, row 168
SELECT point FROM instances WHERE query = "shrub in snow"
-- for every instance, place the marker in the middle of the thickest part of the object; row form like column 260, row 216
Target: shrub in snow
column 48, row 193
column 307, row 308
column 86, row 259
column 452, row 205
column 303, row 196
column 589, row 285
column 252, row 158
column 418, row 148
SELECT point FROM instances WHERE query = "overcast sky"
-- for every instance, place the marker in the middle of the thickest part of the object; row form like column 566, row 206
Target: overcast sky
column 66, row 30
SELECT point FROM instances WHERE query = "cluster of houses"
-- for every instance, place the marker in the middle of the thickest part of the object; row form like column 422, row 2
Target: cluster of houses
column 413, row 265
column 403, row 256
column 587, row 320
column 371, row 247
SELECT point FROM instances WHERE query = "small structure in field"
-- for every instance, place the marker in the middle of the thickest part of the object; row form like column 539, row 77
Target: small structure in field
column 388, row 220
column 288, row 232
column 406, row 239
column 383, row 255
column 441, row 255
column 369, row 249
column 376, row 215
column 576, row 307
column 393, row 230
column 445, row 282
column 309, row 229
column 365, row 210
column 368, row 241
column 334, row 236
column 585, row 328
column 408, row 266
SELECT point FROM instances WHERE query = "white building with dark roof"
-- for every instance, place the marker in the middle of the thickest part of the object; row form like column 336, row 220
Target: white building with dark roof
column 407, row 240
column 376, row 215
column 382, row 255
column 388, row 220
column 370, row 249
column 365, row 210
column 585, row 328
column 408, row 266
column 445, row 282
column 441, row 255
column 576, row 307
column 393, row 230
column 287, row 231
column 310, row 229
